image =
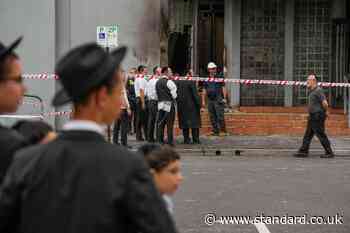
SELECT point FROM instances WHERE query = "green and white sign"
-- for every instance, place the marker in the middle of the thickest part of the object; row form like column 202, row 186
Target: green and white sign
column 107, row 36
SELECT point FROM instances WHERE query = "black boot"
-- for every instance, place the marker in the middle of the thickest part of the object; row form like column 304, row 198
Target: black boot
column 195, row 136
column 301, row 154
column 329, row 154
column 186, row 134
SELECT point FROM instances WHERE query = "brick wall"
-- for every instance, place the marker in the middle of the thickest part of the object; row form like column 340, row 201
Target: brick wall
column 274, row 120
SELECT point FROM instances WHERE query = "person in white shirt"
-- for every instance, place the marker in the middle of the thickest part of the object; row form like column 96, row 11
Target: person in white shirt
column 122, row 123
column 140, row 89
column 152, row 103
column 167, row 93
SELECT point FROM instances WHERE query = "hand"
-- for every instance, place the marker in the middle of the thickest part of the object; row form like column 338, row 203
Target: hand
column 224, row 101
column 129, row 112
column 143, row 106
column 202, row 109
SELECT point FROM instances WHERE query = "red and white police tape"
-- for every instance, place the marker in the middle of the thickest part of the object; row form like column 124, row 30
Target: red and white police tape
column 206, row 79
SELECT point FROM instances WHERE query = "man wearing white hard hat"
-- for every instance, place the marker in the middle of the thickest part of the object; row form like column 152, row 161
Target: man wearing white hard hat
column 216, row 94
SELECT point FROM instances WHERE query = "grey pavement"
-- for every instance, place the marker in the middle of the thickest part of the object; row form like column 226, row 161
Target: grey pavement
column 275, row 145
column 274, row 186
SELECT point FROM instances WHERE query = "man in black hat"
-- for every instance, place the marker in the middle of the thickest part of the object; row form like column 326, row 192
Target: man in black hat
column 11, row 94
column 80, row 182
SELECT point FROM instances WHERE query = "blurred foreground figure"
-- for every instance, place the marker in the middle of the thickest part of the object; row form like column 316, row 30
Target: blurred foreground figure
column 11, row 95
column 80, row 183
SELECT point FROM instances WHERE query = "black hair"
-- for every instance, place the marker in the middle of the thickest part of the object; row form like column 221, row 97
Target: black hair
column 32, row 131
column 314, row 74
column 155, row 69
column 158, row 157
column 141, row 68
column 4, row 62
column 165, row 69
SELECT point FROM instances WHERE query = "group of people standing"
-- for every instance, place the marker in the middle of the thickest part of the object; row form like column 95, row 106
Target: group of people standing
column 153, row 101
column 78, row 181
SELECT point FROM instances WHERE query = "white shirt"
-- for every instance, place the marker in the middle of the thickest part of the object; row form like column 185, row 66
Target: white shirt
column 140, row 83
column 173, row 89
column 151, row 92
column 84, row 125
column 169, row 204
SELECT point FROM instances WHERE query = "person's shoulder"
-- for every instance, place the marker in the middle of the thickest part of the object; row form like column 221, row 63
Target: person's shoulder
column 319, row 90
column 23, row 156
column 119, row 154
column 10, row 137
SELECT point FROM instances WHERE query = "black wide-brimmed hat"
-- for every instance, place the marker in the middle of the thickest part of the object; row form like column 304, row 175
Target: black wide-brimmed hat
column 4, row 51
column 84, row 68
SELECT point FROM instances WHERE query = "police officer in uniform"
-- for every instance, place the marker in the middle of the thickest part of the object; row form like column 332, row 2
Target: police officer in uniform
column 318, row 112
column 11, row 94
column 167, row 93
column 215, row 92
column 80, row 182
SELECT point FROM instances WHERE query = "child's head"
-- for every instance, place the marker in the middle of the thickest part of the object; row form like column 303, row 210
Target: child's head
column 35, row 132
column 164, row 163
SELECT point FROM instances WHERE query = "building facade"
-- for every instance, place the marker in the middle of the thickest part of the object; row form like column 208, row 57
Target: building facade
column 270, row 40
column 252, row 39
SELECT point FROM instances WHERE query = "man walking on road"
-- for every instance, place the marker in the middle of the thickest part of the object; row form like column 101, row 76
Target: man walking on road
column 318, row 112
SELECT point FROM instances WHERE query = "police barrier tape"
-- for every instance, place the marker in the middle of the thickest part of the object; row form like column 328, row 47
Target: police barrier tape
column 207, row 79
column 62, row 113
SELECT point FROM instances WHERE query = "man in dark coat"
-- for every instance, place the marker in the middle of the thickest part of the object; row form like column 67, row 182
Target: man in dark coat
column 11, row 94
column 188, row 109
column 80, row 183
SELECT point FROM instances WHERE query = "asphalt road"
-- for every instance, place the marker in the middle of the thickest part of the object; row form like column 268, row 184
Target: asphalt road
column 277, row 185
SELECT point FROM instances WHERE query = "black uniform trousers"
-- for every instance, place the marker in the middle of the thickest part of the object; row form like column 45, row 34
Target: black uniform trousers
column 132, row 117
column 166, row 118
column 152, row 106
column 216, row 109
column 122, row 126
column 195, row 135
column 316, row 126
column 141, row 120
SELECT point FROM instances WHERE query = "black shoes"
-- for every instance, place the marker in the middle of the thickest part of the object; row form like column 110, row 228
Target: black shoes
column 301, row 154
column 328, row 155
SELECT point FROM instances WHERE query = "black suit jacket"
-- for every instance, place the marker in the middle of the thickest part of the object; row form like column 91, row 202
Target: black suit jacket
column 81, row 183
column 10, row 142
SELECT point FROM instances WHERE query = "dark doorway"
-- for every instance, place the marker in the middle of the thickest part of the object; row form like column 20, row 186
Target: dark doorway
column 210, row 30
column 180, row 51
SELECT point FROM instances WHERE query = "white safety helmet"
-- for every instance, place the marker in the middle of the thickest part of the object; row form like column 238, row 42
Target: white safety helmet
column 211, row 65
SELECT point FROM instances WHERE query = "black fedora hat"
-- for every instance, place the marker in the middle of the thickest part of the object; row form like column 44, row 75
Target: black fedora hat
column 4, row 51
column 83, row 69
